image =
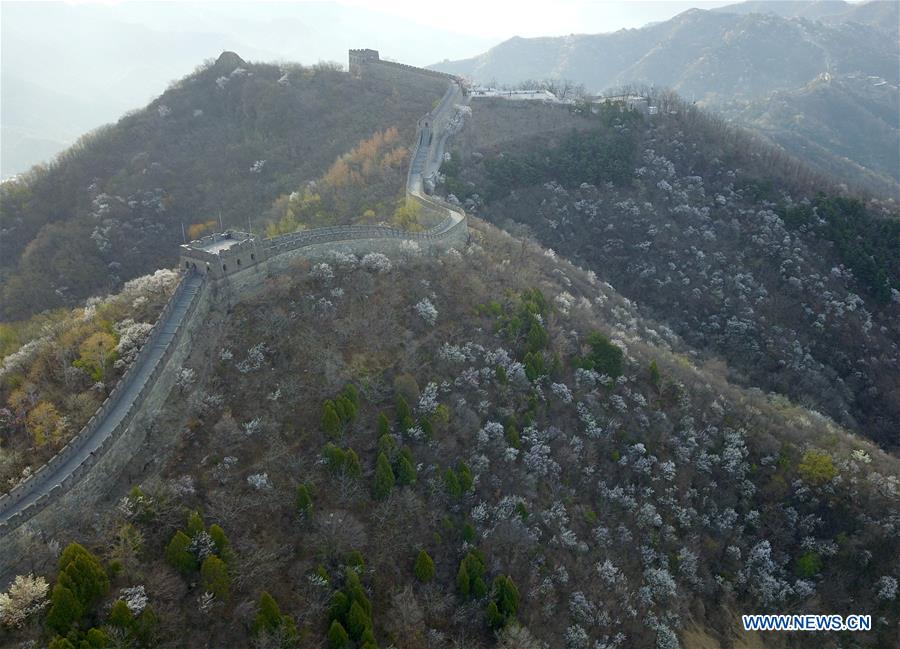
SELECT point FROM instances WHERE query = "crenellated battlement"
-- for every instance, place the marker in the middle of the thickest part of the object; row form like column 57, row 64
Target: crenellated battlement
column 366, row 62
column 222, row 253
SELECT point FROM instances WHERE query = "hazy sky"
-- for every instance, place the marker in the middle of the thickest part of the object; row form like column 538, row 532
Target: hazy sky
column 499, row 20
column 476, row 23
column 67, row 67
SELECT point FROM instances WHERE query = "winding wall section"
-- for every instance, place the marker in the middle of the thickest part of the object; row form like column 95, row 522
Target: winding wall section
column 64, row 471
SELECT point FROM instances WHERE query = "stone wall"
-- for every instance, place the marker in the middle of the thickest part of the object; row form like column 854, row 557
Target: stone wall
column 219, row 281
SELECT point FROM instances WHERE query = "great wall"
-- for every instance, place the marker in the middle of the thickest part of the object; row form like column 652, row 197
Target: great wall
column 216, row 269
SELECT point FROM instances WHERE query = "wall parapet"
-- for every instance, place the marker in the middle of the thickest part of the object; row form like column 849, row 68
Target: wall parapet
column 73, row 447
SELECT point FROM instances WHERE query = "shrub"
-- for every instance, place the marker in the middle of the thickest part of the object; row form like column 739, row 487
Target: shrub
column 356, row 560
column 816, row 467
column 26, row 596
column 424, row 567
column 808, row 564
column 604, row 357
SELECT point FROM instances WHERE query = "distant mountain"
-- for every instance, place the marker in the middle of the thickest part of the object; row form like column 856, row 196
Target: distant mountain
column 719, row 59
column 811, row 9
column 877, row 13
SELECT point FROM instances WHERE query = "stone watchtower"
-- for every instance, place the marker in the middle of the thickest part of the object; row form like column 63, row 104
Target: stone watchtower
column 358, row 58
column 221, row 254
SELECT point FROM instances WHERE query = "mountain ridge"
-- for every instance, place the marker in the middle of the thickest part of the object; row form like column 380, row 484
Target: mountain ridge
column 732, row 64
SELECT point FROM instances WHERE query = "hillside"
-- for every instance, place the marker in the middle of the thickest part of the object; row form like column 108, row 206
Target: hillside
column 113, row 206
column 421, row 451
column 835, row 122
column 725, row 60
column 716, row 236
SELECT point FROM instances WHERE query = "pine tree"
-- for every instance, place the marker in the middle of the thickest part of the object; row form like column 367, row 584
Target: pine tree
column 452, row 482
column 494, row 618
column 512, row 436
column 355, row 559
column 424, row 567
column 466, row 481
column 405, row 419
column 216, row 580
column 534, row 365
column 346, row 410
column 331, row 421
column 387, row 445
column 179, row 555
column 195, row 524
column 337, row 636
column 384, row 477
column 462, row 580
column 223, row 545
column 339, row 607
column 268, row 617
column 352, row 394
column 383, row 426
column 406, row 469
column 335, row 458
column 538, row 338
column 120, row 615
column 81, row 573
column 357, row 621
column 352, row 467
column 355, row 590
column 303, row 500
column 65, row 609
column 655, row 376
column 507, row 597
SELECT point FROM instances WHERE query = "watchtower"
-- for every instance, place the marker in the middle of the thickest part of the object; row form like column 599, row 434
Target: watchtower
column 358, row 58
column 222, row 253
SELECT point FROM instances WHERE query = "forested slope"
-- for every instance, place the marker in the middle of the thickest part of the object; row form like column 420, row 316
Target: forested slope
column 490, row 448
column 224, row 142
column 739, row 249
